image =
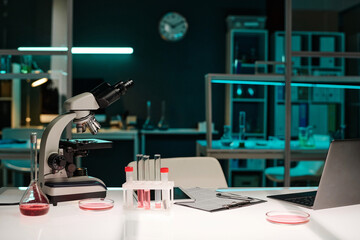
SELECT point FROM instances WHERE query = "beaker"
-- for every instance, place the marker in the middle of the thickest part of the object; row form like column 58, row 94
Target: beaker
column 303, row 136
column 34, row 202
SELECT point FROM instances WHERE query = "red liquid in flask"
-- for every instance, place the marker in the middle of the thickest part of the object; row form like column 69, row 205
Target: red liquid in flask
column 34, row 201
column 35, row 209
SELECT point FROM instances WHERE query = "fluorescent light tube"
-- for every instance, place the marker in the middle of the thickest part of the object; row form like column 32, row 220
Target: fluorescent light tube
column 83, row 50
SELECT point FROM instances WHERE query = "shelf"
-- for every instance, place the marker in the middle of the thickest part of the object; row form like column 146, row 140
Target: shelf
column 248, row 100
column 24, row 76
column 293, row 102
column 255, row 134
column 15, row 52
column 246, row 169
column 5, row 98
column 279, row 79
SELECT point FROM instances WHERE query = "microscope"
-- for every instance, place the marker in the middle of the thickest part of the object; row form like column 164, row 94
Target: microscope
column 56, row 166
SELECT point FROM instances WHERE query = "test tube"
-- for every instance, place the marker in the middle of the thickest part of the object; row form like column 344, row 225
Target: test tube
column 140, row 173
column 147, row 178
column 165, row 192
column 157, row 166
column 129, row 192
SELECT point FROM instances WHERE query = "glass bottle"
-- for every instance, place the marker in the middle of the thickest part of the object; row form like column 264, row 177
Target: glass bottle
column 226, row 139
column 242, row 123
column 163, row 125
column 310, row 137
column 34, row 202
column 148, row 125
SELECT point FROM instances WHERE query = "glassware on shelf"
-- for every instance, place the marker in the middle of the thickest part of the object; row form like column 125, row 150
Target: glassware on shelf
column 148, row 125
column 26, row 63
column 34, row 202
column 310, row 137
column 226, row 139
column 242, row 127
column 163, row 125
column 303, row 136
column 239, row 91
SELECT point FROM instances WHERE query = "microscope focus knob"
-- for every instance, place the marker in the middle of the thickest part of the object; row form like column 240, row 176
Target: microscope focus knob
column 56, row 162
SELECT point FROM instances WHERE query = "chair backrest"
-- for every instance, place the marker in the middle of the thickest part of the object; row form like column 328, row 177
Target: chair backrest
column 191, row 172
column 21, row 133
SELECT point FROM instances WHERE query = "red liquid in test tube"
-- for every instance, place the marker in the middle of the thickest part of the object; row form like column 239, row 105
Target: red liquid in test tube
column 147, row 199
column 140, row 194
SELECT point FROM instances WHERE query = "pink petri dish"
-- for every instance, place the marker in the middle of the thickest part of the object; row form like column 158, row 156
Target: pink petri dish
column 96, row 204
column 288, row 217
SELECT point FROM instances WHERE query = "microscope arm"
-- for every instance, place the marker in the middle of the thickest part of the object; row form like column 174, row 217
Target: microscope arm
column 50, row 144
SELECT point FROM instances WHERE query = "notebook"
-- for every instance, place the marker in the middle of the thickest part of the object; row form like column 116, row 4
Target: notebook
column 340, row 181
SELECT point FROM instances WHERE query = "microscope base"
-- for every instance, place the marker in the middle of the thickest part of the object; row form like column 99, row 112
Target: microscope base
column 64, row 198
column 74, row 189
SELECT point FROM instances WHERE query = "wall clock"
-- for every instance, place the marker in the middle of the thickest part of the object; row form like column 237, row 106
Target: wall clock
column 173, row 26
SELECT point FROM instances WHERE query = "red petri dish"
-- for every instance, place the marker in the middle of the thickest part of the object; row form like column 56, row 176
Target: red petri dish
column 288, row 217
column 96, row 204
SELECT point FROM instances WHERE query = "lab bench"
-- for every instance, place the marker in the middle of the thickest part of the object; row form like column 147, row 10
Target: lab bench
column 180, row 222
column 256, row 152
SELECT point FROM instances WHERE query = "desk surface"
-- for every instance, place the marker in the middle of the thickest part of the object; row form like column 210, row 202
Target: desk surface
column 67, row 221
column 262, row 149
column 22, row 150
column 109, row 134
column 173, row 131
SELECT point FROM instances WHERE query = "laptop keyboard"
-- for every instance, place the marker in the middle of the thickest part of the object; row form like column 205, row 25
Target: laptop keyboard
column 303, row 198
column 306, row 201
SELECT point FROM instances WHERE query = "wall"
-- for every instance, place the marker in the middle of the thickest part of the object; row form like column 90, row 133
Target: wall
column 162, row 70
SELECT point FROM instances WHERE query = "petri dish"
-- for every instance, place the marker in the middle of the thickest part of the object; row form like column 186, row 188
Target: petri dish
column 96, row 204
column 288, row 217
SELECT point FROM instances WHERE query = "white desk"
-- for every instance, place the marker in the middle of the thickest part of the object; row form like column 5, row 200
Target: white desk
column 262, row 149
column 67, row 221
column 15, row 151
column 22, row 150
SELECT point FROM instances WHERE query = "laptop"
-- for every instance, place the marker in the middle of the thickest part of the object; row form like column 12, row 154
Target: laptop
column 340, row 181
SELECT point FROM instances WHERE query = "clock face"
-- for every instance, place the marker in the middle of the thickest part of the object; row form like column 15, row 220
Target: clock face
column 173, row 26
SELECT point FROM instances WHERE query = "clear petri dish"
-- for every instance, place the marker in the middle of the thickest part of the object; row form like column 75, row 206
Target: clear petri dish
column 288, row 217
column 96, row 204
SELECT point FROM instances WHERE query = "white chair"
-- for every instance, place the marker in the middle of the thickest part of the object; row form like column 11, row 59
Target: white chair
column 188, row 172
column 304, row 171
column 21, row 166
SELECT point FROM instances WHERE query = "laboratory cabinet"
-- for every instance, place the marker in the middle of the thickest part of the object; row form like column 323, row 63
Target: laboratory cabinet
column 245, row 48
column 311, row 42
column 319, row 107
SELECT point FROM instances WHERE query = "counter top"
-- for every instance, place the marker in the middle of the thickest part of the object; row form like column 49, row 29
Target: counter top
column 67, row 221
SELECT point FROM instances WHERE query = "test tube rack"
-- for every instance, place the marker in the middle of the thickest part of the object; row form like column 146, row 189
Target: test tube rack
column 167, row 195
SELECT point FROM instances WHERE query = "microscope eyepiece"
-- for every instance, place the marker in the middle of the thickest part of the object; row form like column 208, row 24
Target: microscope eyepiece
column 105, row 94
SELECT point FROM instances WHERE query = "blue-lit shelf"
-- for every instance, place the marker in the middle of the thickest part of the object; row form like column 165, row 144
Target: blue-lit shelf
column 24, row 76
column 15, row 52
column 345, row 82
column 248, row 100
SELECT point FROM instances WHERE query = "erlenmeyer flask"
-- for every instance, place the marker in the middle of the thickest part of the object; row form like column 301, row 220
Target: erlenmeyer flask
column 34, row 202
column 148, row 125
column 163, row 125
